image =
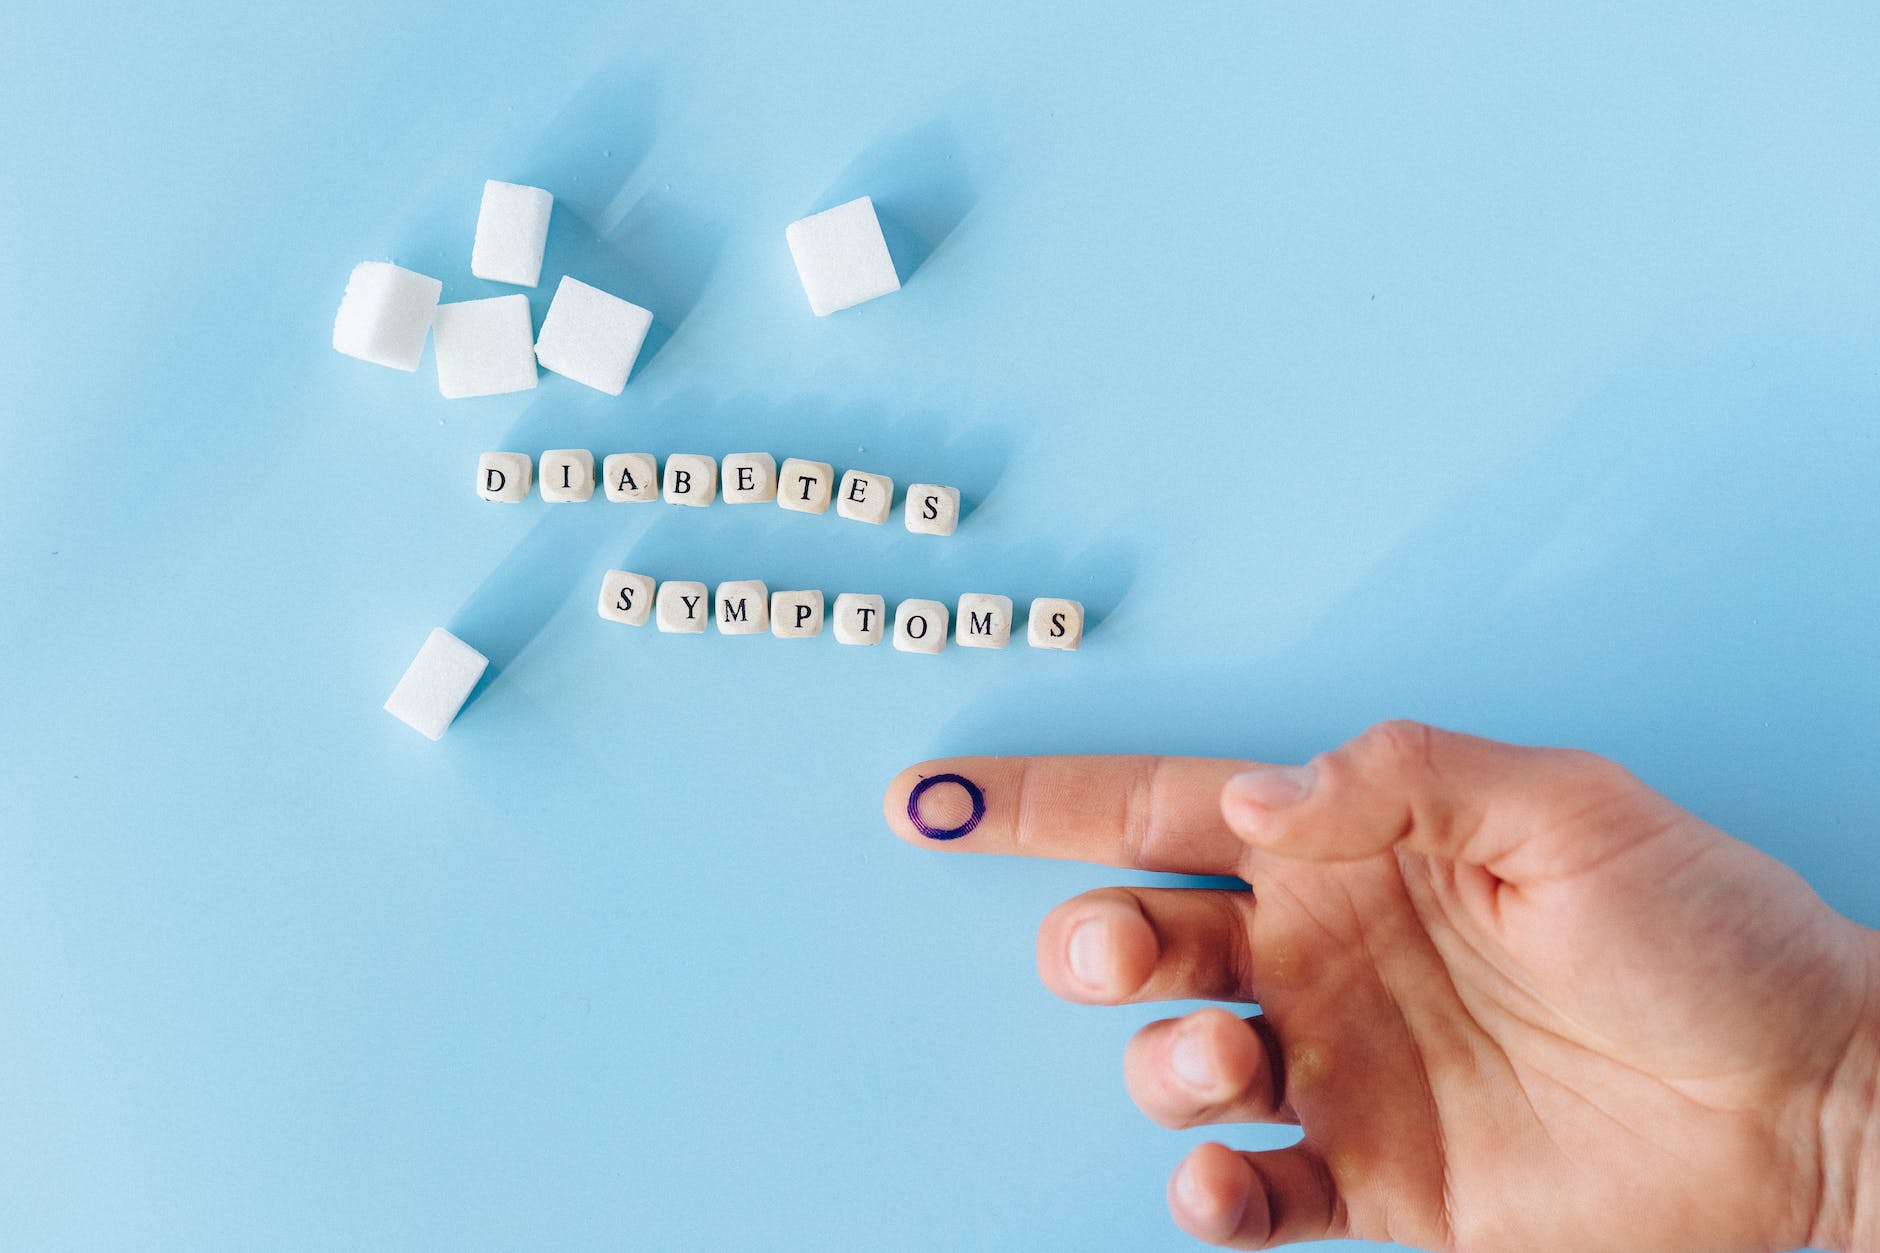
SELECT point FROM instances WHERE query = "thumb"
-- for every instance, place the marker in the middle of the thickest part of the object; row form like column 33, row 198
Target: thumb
column 1521, row 813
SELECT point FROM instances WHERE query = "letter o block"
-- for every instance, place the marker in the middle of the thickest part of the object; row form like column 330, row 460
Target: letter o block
column 920, row 626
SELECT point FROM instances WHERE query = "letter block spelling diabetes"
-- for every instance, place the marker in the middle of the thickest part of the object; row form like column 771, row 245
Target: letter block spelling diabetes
column 504, row 476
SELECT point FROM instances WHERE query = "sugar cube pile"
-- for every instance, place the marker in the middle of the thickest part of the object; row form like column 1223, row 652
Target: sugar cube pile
column 484, row 347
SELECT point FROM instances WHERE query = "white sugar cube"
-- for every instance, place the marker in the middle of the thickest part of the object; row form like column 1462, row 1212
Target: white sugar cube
column 504, row 476
column 750, row 478
column 385, row 314
column 1054, row 623
column 630, row 476
column 805, row 486
column 932, row 509
column 920, row 626
column 743, row 607
column 436, row 684
column 796, row 615
column 626, row 597
column 841, row 256
column 485, row 347
column 865, row 497
column 682, row 607
column 567, row 475
column 985, row 621
column 591, row 336
column 858, row 618
column 691, row 479
column 512, row 230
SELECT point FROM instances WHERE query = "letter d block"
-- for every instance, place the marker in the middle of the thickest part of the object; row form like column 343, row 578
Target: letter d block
column 743, row 608
column 681, row 608
column 1055, row 623
column 985, row 621
column 504, row 476
column 920, row 626
column 626, row 597
column 796, row 615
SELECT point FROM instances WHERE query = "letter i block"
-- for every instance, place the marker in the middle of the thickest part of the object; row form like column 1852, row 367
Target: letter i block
column 859, row 618
column 681, row 608
column 626, row 597
column 567, row 475
column 504, row 476
column 743, row 608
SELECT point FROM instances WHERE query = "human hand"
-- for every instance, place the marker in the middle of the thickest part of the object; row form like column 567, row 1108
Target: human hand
column 1514, row 998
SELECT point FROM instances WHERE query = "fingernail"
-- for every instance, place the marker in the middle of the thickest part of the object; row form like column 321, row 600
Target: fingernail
column 1189, row 1059
column 1089, row 952
column 1188, row 1190
column 1272, row 787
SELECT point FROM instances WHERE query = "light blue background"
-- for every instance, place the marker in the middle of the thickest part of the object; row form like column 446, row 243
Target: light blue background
column 1511, row 366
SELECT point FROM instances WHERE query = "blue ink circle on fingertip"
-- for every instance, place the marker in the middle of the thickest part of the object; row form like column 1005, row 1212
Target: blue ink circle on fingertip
column 946, row 833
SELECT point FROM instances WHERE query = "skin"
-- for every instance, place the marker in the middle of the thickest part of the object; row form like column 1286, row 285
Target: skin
column 1514, row 998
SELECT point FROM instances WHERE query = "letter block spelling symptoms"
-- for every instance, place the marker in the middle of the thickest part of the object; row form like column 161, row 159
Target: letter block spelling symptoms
column 805, row 486
column 985, row 621
column 743, row 608
column 859, row 618
column 504, row 476
column 681, row 608
column 920, row 626
column 932, row 509
column 591, row 336
column 512, row 230
column 750, row 478
column 385, row 314
column 567, row 475
column 630, row 476
column 796, row 615
column 691, row 479
column 436, row 684
column 1055, row 623
column 865, row 497
column 484, row 347
column 626, row 597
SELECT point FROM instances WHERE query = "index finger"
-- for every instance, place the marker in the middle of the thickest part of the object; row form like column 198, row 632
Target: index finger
column 1145, row 813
